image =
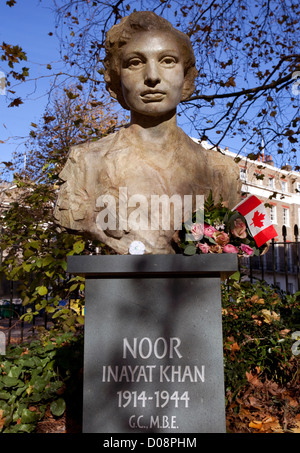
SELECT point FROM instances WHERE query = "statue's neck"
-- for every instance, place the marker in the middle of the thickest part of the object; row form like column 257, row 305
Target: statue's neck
column 154, row 130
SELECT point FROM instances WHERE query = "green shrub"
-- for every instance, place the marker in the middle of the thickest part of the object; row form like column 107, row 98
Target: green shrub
column 36, row 376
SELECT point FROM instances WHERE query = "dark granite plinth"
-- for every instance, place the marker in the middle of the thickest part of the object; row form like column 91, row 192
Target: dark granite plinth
column 153, row 343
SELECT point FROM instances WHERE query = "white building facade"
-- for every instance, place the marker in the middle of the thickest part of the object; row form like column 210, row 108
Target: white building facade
column 279, row 189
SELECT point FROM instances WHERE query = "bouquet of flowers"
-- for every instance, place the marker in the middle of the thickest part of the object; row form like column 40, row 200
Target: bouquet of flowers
column 223, row 231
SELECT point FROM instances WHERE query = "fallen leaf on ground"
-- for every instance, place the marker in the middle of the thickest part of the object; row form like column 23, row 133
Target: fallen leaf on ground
column 2, row 420
column 254, row 402
column 255, row 424
column 292, row 402
column 296, row 429
column 253, row 378
column 271, row 424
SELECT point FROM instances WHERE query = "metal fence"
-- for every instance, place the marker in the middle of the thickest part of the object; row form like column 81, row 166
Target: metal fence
column 12, row 324
column 279, row 266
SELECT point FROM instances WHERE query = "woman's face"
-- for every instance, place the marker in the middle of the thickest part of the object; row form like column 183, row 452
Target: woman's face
column 152, row 73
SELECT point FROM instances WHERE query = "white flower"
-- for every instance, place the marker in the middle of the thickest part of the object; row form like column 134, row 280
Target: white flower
column 219, row 226
column 137, row 248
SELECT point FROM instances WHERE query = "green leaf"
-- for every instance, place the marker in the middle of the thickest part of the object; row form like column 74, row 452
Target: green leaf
column 74, row 286
column 58, row 407
column 39, row 262
column 78, row 247
column 236, row 276
column 4, row 396
column 41, row 305
column 27, row 267
column 20, row 390
column 21, row 428
column 211, row 240
column 29, row 416
column 34, row 244
column 15, row 372
column 10, row 381
column 28, row 362
column 50, row 273
column 190, row 250
column 63, row 264
column 27, row 317
column 48, row 260
column 39, row 383
column 42, row 290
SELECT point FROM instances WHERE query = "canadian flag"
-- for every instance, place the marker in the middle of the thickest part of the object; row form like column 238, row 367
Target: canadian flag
column 257, row 219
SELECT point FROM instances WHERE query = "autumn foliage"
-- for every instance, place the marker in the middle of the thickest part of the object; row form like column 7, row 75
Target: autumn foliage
column 34, row 249
column 71, row 118
column 261, row 371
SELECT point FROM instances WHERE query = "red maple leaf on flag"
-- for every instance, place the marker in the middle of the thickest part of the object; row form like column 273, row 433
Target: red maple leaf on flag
column 258, row 219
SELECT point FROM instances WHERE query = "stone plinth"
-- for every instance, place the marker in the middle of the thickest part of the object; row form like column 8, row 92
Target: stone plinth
column 153, row 343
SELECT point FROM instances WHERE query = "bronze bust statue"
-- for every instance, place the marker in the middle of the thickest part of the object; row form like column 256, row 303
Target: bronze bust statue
column 111, row 188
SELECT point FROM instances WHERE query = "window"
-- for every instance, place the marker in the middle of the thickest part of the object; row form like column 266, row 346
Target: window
column 291, row 288
column 286, row 217
column 271, row 183
column 259, row 177
column 284, row 186
column 273, row 214
column 298, row 188
column 243, row 174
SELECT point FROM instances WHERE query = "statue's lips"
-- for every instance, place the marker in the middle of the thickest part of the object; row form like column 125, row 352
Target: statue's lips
column 153, row 96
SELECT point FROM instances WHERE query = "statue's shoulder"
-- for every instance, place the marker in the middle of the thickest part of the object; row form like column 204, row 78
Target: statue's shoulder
column 98, row 147
column 193, row 144
column 216, row 157
column 83, row 155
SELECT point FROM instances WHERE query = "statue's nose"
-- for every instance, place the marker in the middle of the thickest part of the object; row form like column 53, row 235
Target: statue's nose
column 152, row 75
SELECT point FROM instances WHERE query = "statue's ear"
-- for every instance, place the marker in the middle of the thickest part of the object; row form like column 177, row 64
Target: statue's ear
column 117, row 94
column 189, row 84
column 112, row 93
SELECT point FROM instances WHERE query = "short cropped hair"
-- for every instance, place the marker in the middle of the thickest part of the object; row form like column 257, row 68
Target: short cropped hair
column 120, row 34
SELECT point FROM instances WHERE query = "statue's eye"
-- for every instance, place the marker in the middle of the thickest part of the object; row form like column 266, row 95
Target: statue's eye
column 134, row 63
column 169, row 61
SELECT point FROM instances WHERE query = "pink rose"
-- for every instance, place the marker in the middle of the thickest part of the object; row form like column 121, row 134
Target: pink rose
column 197, row 231
column 229, row 248
column 203, row 247
column 215, row 248
column 209, row 230
column 239, row 229
column 246, row 249
column 221, row 237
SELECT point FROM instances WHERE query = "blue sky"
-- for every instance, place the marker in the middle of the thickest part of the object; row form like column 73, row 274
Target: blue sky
column 26, row 24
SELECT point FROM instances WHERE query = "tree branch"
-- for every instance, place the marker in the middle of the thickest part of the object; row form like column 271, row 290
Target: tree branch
column 251, row 91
